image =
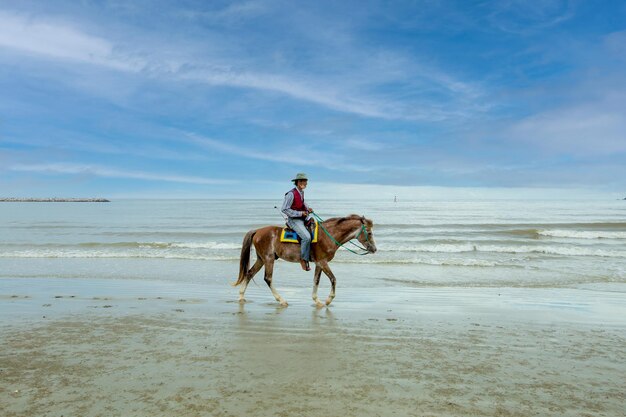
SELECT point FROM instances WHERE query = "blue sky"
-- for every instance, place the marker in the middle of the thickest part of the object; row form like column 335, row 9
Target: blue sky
column 370, row 98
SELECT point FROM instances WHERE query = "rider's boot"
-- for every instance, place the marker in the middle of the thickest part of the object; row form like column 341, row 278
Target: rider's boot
column 305, row 265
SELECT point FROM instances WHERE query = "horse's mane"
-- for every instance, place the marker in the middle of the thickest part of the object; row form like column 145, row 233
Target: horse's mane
column 339, row 220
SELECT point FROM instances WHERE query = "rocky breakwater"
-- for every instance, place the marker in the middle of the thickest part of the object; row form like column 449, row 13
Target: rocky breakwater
column 54, row 200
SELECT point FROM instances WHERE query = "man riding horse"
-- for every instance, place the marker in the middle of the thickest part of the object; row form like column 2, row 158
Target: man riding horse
column 268, row 245
column 298, row 214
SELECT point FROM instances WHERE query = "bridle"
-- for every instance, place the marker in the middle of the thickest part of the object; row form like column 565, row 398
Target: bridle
column 362, row 230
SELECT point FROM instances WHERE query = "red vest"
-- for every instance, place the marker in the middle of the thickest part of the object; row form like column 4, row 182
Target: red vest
column 298, row 201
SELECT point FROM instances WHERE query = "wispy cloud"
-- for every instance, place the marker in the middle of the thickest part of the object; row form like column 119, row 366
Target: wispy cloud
column 586, row 117
column 53, row 39
column 409, row 93
column 298, row 89
column 362, row 144
column 296, row 155
column 228, row 14
column 96, row 146
column 250, row 151
column 581, row 130
column 59, row 41
column 523, row 17
column 106, row 172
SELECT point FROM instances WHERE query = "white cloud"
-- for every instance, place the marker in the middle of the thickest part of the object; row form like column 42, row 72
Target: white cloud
column 297, row 155
column 60, row 41
column 363, row 144
column 28, row 35
column 524, row 17
column 340, row 91
column 231, row 13
column 597, row 128
column 304, row 90
column 291, row 157
column 615, row 44
column 100, row 171
column 93, row 145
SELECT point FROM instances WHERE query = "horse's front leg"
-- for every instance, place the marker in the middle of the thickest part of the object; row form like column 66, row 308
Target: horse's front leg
column 316, row 283
column 333, row 281
column 269, row 271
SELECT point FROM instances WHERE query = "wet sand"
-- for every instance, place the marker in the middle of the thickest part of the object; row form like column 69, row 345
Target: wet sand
column 104, row 348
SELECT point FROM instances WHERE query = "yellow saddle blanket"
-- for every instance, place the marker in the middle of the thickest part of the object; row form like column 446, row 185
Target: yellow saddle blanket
column 289, row 236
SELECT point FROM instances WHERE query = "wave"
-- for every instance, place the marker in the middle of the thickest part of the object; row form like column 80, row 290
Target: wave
column 78, row 254
column 207, row 245
column 583, row 234
column 606, row 225
column 526, row 233
column 54, row 254
column 435, row 262
column 549, row 283
column 536, row 233
column 139, row 245
column 469, row 247
column 174, row 234
column 193, row 250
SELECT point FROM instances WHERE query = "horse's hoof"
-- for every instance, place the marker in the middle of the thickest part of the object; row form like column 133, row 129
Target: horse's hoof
column 328, row 302
column 284, row 304
column 319, row 304
column 242, row 301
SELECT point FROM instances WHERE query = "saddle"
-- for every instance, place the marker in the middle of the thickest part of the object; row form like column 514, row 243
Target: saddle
column 288, row 235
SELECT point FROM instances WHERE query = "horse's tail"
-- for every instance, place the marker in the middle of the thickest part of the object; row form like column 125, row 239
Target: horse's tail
column 244, row 261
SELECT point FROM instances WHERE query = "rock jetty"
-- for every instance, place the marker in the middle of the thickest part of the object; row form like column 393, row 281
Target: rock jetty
column 54, row 200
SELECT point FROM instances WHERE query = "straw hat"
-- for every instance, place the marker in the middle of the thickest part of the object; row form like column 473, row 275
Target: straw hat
column 300, row 176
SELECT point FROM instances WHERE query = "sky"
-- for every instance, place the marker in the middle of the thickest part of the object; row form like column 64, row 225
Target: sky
column 371, row 99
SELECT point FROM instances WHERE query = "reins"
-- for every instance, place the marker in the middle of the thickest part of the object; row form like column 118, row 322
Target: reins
column 363, row 230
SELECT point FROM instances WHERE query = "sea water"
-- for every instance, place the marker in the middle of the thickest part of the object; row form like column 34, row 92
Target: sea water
column 420, row 243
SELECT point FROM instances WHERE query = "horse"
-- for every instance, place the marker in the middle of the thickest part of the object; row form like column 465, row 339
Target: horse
column 269, row 248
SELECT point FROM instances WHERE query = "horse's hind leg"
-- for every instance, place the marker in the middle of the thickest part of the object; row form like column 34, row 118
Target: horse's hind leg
column 269, row 270
column 333, row 282
column 316, row 283
column 249, row 275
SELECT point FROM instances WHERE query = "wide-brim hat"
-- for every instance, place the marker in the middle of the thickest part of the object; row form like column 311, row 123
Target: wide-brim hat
column 300, row 176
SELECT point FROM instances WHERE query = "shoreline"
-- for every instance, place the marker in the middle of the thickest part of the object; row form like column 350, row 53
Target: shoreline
column 123, row 347
column 585, row 304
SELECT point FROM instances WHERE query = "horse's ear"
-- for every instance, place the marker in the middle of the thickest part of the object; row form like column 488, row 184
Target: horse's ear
column 363, row 219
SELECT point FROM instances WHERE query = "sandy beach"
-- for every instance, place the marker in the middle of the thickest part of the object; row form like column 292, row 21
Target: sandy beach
column 74, row 348
column 463, row 162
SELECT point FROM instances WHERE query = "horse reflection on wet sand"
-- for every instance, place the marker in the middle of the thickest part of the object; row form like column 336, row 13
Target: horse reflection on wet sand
column 268, row 246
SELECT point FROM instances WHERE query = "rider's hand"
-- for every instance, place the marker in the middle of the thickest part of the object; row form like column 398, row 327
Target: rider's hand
column 310, row 210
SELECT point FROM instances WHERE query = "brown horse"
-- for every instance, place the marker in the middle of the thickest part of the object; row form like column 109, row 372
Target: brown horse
column 268, row 248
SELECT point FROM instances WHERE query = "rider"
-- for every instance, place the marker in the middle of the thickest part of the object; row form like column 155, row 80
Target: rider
column 298, row 212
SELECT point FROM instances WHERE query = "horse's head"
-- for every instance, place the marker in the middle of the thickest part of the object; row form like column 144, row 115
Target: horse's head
column 365, row 235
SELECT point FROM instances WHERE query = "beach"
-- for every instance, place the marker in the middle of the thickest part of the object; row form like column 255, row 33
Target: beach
column 119, row 310
column 459, row 164
column 124, row 348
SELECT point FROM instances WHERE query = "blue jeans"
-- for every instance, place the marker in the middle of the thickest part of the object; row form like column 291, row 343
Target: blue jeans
column 305, row 245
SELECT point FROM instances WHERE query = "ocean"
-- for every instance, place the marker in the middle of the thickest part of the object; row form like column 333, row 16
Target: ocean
column 420, row 243
column 467, row 308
